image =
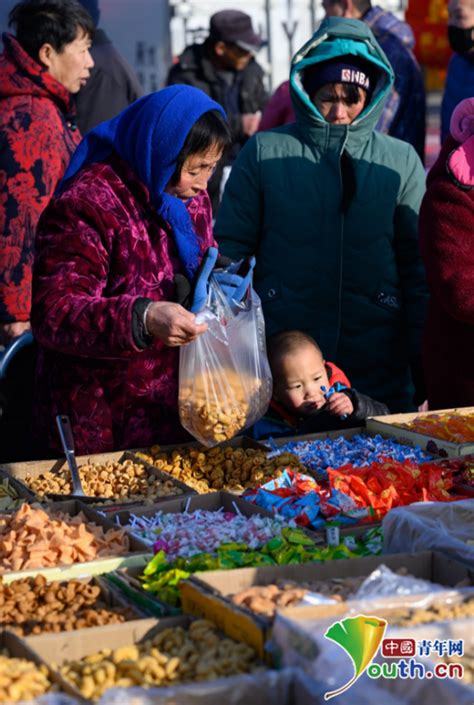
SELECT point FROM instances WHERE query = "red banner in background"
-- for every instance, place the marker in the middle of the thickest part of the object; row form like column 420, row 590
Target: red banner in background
column 429, row 19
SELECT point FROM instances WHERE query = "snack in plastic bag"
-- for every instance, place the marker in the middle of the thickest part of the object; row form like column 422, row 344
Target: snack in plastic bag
column 225, row 383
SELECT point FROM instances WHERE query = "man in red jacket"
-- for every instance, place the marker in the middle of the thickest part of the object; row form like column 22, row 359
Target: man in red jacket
column 41, row 67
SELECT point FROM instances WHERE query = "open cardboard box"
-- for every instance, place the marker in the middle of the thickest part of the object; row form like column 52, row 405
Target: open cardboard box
column 237, row 442
column 212, row 501
column 17, row 648
column 34, row 468
column 387, row 426
column 56, row 649
column 109, row 595
column 74, row 507
column 207, row 594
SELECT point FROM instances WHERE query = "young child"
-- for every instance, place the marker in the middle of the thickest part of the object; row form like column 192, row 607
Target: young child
column 310, row 394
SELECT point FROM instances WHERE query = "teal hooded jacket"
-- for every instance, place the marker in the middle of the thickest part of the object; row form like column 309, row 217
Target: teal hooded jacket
column 340, row 263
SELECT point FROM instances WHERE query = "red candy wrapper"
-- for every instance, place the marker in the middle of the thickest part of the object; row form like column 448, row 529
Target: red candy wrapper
column 391, row 483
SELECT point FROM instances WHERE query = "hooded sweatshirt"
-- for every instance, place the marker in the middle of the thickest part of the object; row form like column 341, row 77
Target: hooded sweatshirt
column 37, row 137
column 331, row 212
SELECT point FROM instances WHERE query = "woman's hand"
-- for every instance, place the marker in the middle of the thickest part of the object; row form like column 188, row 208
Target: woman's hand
column 172, row 324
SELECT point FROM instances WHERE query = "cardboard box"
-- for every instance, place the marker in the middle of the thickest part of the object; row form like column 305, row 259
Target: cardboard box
column 212, row 501
column 73, row 507
column 57, row 649
column 36, row 467
column 109, row 596
column 17, row 648
column 208, row 594
column 387, row 426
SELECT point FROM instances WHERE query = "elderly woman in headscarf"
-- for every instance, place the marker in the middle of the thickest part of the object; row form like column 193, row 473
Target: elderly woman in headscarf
column 131, row 217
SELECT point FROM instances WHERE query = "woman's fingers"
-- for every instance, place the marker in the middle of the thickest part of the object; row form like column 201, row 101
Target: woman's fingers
column 173, row 324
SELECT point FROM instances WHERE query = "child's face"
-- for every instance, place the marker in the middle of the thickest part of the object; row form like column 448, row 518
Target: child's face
column 298, row 380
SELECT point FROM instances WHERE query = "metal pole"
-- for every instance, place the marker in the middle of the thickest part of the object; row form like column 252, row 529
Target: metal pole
column 312, row 10
column 268, row 20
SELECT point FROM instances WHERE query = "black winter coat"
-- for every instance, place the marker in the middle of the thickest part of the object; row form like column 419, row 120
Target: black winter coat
column 195, row 68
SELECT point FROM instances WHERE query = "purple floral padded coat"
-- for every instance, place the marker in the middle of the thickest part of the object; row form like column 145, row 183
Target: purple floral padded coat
column 100, row 246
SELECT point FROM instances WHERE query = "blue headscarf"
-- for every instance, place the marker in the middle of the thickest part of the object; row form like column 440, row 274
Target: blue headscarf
column 149, row 136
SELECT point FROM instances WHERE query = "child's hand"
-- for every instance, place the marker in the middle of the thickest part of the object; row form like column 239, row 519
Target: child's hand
column 339, row 404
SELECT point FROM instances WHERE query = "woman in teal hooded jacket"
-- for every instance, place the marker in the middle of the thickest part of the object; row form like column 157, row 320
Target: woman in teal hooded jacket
column 331, row 211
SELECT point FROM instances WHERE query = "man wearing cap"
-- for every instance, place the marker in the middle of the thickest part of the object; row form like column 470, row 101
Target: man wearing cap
column 329, row 207
column 224, row 67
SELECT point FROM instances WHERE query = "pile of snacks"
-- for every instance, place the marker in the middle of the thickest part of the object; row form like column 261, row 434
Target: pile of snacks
column 437, row 612
column 353, row 494
column 21, row 680
column 216, row 413
column 33, row 538
column 456, row 428
column 124, row 481
column 33, row 606
column 266, row 599
column 173, row 656
column 9, row 499
column 162, row 577
column 462, row 469
column 189, row 534
column 360, row 450
column 309, row 503
column 391, row 483
column 233, row 469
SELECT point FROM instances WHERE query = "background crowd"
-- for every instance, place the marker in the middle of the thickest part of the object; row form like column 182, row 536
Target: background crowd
column 322, row 183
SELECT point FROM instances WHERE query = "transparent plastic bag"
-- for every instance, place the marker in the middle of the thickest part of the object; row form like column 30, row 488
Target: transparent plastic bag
column 383, row 582
column 447, row 527
column 225, row 383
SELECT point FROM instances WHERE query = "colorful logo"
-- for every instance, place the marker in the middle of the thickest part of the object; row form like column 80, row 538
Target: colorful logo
column 360, row 637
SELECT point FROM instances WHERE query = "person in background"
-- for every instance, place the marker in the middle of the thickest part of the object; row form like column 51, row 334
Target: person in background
column 113, row 84
column 279, row 109
column 310, row 395
column 460, row 77
column 225, row 68
column 446, row 226
column 404, row 114
column 41, row 67
column 131, row 214
column 329, row 207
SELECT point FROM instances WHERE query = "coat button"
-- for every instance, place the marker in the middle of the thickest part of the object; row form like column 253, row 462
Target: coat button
column 271, row 293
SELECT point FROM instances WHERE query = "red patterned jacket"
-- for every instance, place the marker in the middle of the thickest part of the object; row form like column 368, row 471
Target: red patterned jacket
column 36, row 143
column 99, row 248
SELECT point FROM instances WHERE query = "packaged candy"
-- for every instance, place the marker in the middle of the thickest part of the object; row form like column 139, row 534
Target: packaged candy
column 358, row 451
